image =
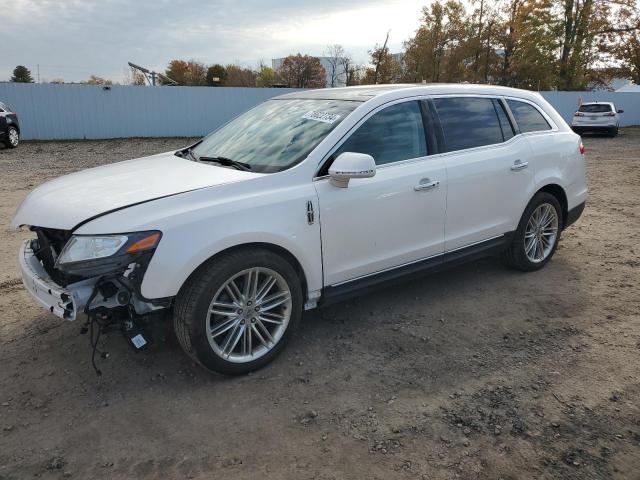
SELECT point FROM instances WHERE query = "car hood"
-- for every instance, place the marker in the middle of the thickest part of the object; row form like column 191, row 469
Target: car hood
column 72, row 199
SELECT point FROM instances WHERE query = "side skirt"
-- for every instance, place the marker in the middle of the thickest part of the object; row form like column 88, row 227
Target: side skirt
column 358, row 286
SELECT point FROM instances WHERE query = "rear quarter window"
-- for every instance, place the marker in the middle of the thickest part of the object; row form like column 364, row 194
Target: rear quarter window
column 528, row 117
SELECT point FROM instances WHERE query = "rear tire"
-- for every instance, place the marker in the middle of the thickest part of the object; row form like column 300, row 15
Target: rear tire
column 537, row 236
column 227, row 323
column 12, row 137
column 613, row 132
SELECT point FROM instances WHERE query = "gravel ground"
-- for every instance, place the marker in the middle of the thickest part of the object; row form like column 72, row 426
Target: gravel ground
column 477, row 373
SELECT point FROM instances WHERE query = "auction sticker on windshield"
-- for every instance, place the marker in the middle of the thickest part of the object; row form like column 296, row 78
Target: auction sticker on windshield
column 319, row 116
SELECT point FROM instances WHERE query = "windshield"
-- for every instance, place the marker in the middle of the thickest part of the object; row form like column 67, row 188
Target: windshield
column 593, row 108
column 276, row 134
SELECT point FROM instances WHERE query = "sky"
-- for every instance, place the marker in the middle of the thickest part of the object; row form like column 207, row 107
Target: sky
column 72, row 39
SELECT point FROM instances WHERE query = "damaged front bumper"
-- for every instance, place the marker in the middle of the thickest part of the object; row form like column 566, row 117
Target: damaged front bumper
column 65, row 302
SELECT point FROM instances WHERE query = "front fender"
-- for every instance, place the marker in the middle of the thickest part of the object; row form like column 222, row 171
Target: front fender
column 197, row 225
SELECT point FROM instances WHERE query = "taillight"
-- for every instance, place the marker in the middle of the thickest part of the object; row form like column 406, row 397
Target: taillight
column 578, row 114
column 582, row 149
column 611, row 114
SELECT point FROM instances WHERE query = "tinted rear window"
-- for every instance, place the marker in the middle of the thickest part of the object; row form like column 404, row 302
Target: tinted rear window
column 468, row 122
column 528, row 118
column 595, row 108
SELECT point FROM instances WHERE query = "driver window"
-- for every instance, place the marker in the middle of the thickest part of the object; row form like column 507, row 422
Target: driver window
column 391, row 135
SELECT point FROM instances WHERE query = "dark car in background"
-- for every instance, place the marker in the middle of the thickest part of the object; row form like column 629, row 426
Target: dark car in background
column 9, row 127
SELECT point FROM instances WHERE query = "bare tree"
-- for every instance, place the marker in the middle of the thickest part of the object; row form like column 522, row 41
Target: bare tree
column 378, row 56
column 335, row 54
column 351, row 70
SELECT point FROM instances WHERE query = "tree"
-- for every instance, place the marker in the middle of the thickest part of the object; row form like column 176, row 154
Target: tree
column 238, row 76
column 335, row 54
column 439, row 51
column 302, row 71
column 95, row 80
column 351, row 71
column 624, row 40
column 216, row 75
column 21, row 74
column 386, row 69
column 266, row 77
column 190, row 72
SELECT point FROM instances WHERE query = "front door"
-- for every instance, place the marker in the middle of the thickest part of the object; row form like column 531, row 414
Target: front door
column 393, row 218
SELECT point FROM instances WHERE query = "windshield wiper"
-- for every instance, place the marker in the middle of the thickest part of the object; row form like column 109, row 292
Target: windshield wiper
column 227, row 162
column 181, row 154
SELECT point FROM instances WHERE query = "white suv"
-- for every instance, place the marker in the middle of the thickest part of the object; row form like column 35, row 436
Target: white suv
column 597, row 117
column 306, row 199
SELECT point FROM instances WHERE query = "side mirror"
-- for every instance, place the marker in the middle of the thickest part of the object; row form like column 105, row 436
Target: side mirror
column 350, row 165
column 620, row 111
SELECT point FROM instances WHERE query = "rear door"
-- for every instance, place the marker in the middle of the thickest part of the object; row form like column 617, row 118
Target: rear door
column 391, row 219
column 489, row 177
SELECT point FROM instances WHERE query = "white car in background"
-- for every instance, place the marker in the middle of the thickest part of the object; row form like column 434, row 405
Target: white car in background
column 306, row 199
column 597, row 117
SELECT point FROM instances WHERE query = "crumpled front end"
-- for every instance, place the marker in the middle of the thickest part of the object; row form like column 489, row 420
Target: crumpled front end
column 63, row 302
column 74, row 290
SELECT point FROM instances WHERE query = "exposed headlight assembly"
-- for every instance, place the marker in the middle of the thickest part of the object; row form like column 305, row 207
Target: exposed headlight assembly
column 92, row 255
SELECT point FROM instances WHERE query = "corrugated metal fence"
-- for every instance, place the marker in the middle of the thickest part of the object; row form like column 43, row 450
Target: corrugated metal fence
column 566, row 103
column 49, row 112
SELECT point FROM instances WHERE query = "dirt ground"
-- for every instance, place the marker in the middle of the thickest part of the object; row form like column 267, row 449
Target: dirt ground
column 476, row 373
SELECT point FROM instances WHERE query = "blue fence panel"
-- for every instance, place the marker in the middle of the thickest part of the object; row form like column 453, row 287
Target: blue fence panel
column 57, row 112
column 566, row 103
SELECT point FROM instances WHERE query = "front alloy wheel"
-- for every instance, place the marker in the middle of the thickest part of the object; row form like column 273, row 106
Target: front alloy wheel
column 236, row 312
column 249, row 314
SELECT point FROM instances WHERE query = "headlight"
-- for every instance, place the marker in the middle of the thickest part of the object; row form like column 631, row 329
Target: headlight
column 89, row 248
column 88, row 255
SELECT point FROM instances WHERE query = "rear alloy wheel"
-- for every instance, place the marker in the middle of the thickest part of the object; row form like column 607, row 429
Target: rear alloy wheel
column 541, row 233
column 536, row 238
column 237, row 312
column 13, row 137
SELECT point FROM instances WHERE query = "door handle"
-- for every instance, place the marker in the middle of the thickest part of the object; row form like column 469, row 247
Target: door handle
column 426, row 184
column 519, row 165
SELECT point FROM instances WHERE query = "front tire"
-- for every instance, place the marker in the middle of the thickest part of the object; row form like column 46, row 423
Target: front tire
column 238, row 311
column 12, row 137
column 538, row 233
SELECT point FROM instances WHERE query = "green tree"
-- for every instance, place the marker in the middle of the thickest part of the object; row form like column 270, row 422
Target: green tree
column 266, row 77
column 21, row 74
column 216, row 75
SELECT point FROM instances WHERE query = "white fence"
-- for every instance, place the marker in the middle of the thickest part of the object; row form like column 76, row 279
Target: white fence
column 56, row 112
